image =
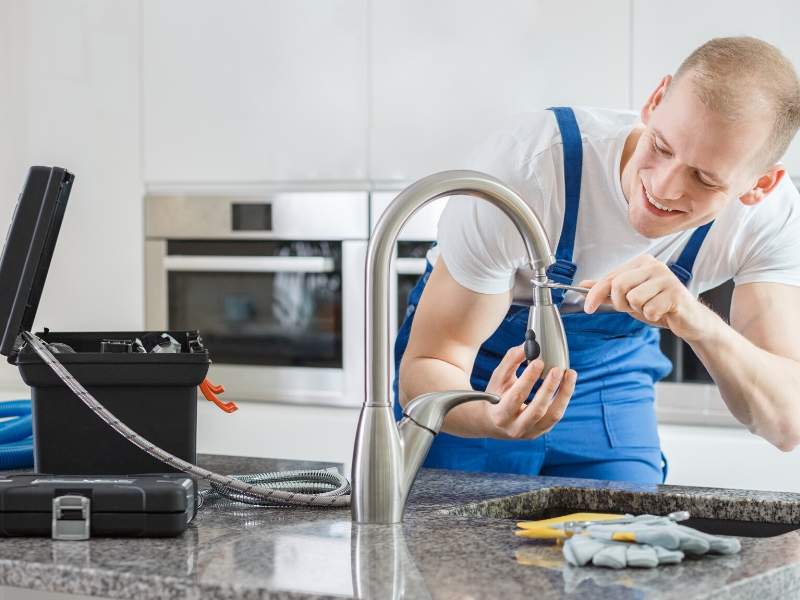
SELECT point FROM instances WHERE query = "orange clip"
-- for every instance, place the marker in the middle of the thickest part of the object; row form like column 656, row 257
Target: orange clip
column 210, row 390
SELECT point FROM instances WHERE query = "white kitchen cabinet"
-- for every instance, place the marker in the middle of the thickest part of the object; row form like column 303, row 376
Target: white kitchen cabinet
column 251, row 91
column 445, row 74
column 275, row 430
column 666, row 33
column 729, row 457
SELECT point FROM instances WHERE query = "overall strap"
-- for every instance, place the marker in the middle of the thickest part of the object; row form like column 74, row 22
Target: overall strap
column 563, row 270
column 683, row 266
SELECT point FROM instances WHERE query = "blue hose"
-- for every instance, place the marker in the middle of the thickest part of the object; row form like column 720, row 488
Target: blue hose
column 16, row 442
column 16, row 430
column 18, row 456
column 15, row 408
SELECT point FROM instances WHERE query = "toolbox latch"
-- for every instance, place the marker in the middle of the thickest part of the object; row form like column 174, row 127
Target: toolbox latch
column 71, row 518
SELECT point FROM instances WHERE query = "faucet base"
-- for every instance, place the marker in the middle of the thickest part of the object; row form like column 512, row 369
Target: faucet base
column 378, row 467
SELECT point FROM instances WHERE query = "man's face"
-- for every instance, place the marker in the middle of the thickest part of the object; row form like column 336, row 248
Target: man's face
column 688, row 163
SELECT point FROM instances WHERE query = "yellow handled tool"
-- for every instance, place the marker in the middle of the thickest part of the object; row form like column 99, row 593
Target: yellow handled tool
column 544, row 530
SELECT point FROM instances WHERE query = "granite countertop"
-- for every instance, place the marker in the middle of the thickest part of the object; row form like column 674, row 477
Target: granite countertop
column 456, row 542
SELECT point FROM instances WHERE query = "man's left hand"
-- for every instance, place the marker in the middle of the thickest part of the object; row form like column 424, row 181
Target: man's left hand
column 646, row 289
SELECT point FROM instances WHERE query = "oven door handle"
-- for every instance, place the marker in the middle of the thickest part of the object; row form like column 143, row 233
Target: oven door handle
column 251, row 264
column 410, row 266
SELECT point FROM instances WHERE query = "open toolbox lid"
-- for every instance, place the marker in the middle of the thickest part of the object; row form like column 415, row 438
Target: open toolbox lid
column 28, row 249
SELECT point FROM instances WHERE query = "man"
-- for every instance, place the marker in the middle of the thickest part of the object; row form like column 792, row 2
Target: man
column 659, row 211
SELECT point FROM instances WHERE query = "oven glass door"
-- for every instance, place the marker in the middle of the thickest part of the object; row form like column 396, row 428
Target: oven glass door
column 409, row 266
column 266, row 303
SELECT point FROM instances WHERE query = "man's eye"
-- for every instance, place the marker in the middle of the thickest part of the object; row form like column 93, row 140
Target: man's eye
column 660, row 150
column 703, row 181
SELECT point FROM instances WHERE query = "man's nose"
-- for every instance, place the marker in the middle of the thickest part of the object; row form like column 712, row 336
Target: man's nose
column 667, row 181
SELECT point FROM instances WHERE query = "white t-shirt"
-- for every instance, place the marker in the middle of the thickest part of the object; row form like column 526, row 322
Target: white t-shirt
column 484, row 252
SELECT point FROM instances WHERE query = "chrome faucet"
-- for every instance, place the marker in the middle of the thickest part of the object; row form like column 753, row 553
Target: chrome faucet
column 387, row 456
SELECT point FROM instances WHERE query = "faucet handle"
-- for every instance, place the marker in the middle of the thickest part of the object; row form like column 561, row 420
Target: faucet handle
column 428, row 410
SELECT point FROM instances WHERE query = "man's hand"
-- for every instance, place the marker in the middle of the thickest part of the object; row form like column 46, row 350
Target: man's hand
column 646, row 289
column 511, row 418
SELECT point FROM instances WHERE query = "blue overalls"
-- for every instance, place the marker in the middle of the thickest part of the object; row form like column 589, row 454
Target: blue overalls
column 609, row 428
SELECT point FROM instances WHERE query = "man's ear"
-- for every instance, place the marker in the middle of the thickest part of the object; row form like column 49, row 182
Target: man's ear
column 763, row 186
column 656, row 96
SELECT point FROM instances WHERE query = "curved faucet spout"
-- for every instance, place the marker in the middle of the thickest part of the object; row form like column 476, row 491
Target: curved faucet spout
column 429, row 410
column 378, row 471
column 381, row 249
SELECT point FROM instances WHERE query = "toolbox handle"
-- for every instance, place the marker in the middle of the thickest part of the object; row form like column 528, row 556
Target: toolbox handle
column 71, row 518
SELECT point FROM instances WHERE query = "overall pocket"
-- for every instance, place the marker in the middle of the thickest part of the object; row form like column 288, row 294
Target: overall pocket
column 630, row 419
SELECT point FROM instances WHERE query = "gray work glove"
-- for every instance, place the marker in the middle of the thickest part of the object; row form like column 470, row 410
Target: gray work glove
column 643, row 541
column 580, row 550
column 661, row 531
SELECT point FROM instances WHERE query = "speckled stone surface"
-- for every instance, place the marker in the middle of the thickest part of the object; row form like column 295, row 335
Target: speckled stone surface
column 456, row 542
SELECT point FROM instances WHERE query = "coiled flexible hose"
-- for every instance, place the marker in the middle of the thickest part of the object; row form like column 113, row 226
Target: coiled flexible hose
column 301, row 482
column 237, row 489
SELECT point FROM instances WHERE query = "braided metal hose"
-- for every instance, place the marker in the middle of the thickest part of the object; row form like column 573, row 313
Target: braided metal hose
column 303, row 482
column 239, row 488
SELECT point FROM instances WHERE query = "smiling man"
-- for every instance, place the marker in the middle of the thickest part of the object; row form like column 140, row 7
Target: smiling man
column 648, row 210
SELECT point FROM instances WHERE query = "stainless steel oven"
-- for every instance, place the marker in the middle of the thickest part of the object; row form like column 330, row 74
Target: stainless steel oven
column 275, row 284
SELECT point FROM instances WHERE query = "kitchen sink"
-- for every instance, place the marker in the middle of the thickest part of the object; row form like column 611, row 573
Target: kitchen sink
column 722, row 513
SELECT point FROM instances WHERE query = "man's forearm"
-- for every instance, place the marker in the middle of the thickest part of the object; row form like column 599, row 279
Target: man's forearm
column 759, row 387
column 422, row 375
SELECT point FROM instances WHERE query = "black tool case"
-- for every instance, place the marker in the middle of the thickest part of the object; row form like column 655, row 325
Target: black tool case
column 155, row 394
column 76, row 508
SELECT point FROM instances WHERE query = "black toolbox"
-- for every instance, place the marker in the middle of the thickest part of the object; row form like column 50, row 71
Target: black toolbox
column 71, row 508
column 155, row 394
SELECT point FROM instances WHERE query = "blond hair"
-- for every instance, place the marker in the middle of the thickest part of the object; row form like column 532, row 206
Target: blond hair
column 734, row 75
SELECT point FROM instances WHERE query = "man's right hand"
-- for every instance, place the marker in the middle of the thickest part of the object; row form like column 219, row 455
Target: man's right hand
column 511, row 418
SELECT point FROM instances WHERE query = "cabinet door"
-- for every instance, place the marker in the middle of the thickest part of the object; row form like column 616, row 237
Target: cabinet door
column 665, row 34
column 446, row 73
column 728, row 457
column 251, row 91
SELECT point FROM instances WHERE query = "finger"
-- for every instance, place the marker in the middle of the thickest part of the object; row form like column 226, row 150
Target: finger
column 524, row 384
column 508, row 407
column 601, row 289
column 512, row 357
column 641, row 294
column 658, row 307
column 587, row 283
column 597, row 295
column 533, row 412
column 505, row 373
column 559, row 404
column 624, row 283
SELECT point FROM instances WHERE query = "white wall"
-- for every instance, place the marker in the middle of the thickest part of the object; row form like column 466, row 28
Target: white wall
column 445, row 74
column 13, row 114
column 74, row 102
column 254, row 90
column 12, row 109
column 664, row 33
